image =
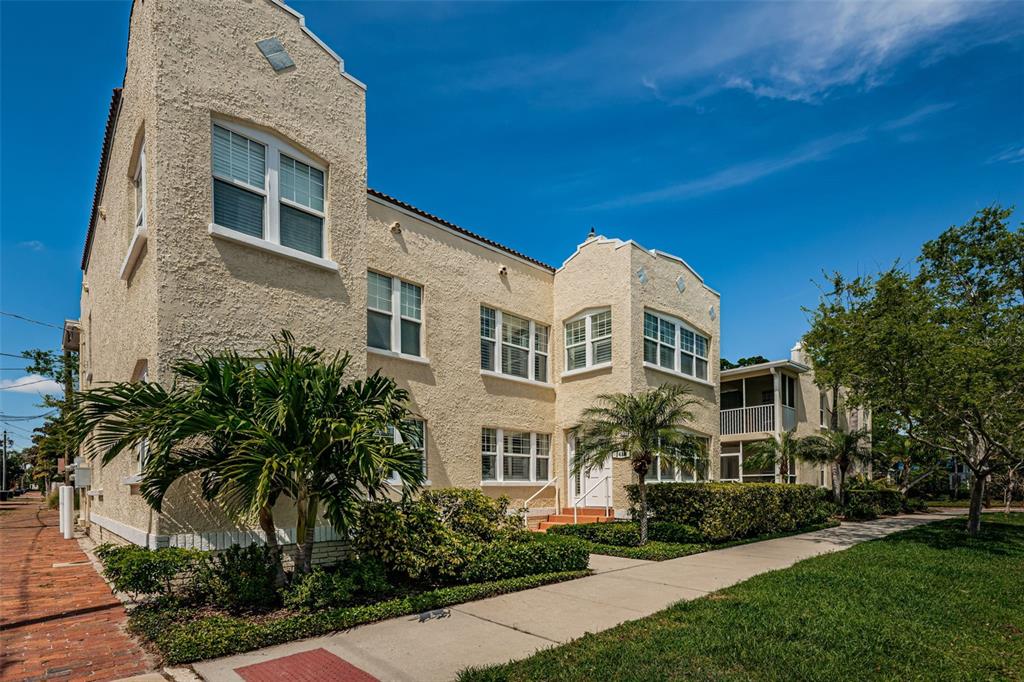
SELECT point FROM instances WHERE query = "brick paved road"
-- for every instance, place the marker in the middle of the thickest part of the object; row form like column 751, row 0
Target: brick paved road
column 56, row 622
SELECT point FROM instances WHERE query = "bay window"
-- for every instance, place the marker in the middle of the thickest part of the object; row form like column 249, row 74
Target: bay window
column 514, row 456
column 394, row 314
column 523, row 349
column 588, row 340
column 263, row 188
column 672, row 345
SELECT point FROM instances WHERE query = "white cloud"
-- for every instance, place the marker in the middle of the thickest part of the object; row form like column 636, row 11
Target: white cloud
column 32, row 383
column 740, row 174
column 917, row 116
column 1012, row 154
column 33, row 245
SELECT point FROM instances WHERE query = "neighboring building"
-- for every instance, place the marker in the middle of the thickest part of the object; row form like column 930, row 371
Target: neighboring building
column 231, row 203
column 762, row 401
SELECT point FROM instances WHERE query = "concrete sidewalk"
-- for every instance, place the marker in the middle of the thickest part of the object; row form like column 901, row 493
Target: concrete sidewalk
column 516, row 625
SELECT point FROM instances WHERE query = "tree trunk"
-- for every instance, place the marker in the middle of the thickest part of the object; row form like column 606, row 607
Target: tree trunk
column 307, row 511
column 837, row 483
column 784, row 468
column 642, row 489
column 977, row 497
column 266, row 517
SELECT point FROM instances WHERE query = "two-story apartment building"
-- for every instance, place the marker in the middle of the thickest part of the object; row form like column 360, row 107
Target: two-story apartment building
column 232, row 203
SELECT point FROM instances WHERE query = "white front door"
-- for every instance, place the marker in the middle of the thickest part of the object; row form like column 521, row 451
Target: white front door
column 592, row 487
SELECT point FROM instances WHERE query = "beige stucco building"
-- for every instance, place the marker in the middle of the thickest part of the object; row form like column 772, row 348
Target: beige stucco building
column 232, row 203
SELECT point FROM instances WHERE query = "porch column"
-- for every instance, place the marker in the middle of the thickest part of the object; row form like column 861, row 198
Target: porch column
column 777, row 412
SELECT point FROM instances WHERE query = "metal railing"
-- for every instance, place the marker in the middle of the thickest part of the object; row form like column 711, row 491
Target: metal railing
column 607, row 498
column 531, row 498
column 756, row 419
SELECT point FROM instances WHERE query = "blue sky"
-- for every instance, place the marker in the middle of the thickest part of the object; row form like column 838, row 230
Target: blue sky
column 761, row 142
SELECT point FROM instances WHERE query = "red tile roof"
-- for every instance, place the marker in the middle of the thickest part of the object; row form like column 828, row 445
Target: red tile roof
column 115, row 105
column 472, row 235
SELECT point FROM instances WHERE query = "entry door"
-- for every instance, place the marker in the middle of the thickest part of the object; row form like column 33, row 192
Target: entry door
column 588, row 487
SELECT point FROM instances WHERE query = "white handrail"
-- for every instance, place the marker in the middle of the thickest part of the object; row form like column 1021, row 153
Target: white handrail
column 576, row 502
column 526, row 505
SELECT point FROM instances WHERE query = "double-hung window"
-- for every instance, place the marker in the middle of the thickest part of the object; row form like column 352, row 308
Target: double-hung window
column 663, row 470
column 265, row 189
column 823, row 415
column 523, row 349
column 514, row 456
column 788, row 391
column 417, row 440
column 394, row 314
column 672, row 345
column 142, row 377
column 140, row 190
column 588, row 340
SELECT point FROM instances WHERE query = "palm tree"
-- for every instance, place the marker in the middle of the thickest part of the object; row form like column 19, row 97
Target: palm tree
column 839, row 450
column 774, row 452
column 643, row 426
column 285, row 424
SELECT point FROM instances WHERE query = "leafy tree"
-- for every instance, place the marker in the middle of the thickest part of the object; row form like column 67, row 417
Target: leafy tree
column 839, row 450
column 642, row 426
column 62, row 368
column 285, row 425
column 742, row 362
column 906, row 461
column 943, row 349
column 773, row 453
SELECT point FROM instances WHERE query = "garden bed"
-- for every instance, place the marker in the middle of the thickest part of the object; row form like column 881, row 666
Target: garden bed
column 179, row 634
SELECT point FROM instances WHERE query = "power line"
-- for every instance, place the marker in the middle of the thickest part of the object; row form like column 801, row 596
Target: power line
column 27, row 383
column 29, row 319
column 26, row 417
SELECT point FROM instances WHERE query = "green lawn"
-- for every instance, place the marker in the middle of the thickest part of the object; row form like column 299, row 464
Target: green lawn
column 929, row 603
column 964, row 504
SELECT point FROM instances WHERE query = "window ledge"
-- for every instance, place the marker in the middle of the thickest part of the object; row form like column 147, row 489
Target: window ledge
column 228, row 234
column 586, row 370
column 520, row 380
column 398, row 356
column 131, row 259
column 680, row 375
column 513, row 484
column 95, row 493
column 399, row 485
column 132, row 480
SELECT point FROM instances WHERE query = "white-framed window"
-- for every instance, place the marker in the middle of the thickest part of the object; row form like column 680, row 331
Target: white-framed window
column 265, row 188
column 661, row 470
column 417, row 442
column 671, row 344
column 523, row 345
column 823, row 416
column 588, row 340
column 514, row 456
column 732, row 467
column 140, row 189
column 394, row 314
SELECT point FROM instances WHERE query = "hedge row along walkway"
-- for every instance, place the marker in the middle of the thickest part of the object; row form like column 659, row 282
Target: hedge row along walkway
column 516, row 625
column 58, row 618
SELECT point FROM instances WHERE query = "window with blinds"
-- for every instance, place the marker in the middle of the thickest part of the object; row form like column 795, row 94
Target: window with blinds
column 670, row 344
column 513, row 456
column 262, row 190
column 588, row 340
column 513, row 346
column 394, row 314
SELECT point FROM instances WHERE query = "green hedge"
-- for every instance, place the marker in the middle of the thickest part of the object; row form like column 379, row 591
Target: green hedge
column 182, row 637
column 529, row 555
column 727, row 511
column 625, row 534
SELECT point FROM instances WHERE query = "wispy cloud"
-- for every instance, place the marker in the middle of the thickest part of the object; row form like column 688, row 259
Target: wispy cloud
column 916, row 116
column 1012, row 154
column 32, row 383
column 740, row 174
column 33, row 245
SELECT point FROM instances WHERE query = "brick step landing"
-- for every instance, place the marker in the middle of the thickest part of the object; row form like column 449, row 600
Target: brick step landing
column 583, row 515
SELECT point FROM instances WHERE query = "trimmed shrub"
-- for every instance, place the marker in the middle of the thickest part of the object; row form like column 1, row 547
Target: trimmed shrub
column 619, row 534
column 914, row 504
column 344, row 585
column 885, row 500
column 861, row 508
column 627, row 534
column 727, row 511
column 138, row 571
column 239, row 579
column 526, row 555
column 431, row 540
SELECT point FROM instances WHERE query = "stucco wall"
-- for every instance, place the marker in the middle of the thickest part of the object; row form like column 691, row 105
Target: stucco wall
column 450, row 393
column 119, row 318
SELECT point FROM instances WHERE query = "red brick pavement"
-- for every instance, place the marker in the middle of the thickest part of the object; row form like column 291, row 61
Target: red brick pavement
column 56, row 622
column 317, row 665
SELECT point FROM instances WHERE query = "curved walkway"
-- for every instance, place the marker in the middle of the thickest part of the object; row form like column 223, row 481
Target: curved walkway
column 516, row 625
column 58, row 618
